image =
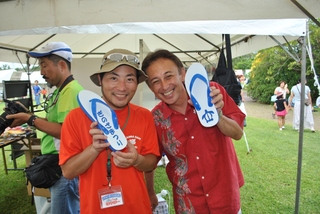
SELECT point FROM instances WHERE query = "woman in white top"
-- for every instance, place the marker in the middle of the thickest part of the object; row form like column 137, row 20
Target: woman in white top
column 283, row 88
column 318, row 102
column 308, row 117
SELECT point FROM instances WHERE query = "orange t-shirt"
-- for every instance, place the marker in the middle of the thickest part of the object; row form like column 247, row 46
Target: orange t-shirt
column 140, row 131
column 43, row 91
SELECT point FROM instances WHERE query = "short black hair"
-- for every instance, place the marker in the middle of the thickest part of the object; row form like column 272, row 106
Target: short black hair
column 158, row 54
column 55, row 59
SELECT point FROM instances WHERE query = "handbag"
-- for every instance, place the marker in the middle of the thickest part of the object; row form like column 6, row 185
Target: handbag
column 44, row 171
column 273, row 98
column 225, row 75
column 306, row 102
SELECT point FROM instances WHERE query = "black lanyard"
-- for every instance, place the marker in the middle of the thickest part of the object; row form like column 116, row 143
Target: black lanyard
column 50, row 101
column 109, row 168
column 108, row 165
column 69, row 79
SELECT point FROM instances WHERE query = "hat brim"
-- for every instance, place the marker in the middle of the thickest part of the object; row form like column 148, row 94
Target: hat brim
column 37, row 54
column 113, row 65
column 63, row 52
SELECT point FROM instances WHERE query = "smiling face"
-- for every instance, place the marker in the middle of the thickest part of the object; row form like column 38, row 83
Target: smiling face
column 166, row 82
column 119, row 86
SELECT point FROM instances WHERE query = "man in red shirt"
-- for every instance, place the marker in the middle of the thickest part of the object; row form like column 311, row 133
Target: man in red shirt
column 203, row 167
column 112, row 181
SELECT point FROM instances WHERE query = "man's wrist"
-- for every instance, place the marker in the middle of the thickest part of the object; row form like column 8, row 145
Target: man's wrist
column 31, row 120
column 138, row 161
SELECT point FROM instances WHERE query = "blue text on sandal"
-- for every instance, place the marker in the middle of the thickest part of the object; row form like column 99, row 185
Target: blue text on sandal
column 197, row 86
column 97, row 110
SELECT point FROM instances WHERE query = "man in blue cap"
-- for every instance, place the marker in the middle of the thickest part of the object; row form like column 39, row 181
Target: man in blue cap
column 55, row 64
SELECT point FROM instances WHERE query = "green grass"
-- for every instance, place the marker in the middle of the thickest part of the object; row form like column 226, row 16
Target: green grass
column 270, row 172
column 13, row 192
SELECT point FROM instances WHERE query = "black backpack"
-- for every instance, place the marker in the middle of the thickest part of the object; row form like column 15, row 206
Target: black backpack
column 227, row 78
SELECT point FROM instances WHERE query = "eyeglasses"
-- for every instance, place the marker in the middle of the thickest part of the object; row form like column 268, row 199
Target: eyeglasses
column 117, row 57
column 46, row 105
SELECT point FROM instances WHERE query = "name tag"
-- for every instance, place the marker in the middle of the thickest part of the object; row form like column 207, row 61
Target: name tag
column 110, row 197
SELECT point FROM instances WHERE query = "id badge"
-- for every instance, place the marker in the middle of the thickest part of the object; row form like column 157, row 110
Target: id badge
column 110, row 197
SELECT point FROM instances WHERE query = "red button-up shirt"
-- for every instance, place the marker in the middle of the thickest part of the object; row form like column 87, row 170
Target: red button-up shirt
column 203, row 168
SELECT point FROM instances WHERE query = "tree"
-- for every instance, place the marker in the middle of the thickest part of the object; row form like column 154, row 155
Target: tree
column 35, row 68
column 270, row 66
column 243, row 62
column 32, row 68
column 5, row 67
column 315, row 45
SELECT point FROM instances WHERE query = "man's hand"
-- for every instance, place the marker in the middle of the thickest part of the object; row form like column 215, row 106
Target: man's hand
column 18, row 119
column 98, row 138
column 154, row 201
column 217, row 97
column 128, row 158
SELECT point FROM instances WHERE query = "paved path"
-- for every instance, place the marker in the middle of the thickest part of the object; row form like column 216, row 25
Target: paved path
column 265, row 111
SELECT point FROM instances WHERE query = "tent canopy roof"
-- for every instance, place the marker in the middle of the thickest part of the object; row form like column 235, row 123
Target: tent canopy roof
column 92, row 27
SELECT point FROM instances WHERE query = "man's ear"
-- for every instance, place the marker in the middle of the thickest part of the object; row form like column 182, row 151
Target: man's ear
column 183, row 74
column 62, row 65
column 99, row 79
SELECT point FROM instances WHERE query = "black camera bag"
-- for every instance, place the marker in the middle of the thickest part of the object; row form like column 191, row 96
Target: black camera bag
column 44, row 171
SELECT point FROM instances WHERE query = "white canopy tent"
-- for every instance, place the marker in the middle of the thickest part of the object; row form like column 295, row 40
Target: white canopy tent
column 6, row 75
column 202, row 45
column 9, row 75
column 190, row 29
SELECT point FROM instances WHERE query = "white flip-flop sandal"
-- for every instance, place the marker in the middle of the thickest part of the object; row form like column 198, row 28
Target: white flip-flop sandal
column 98, row 110
column 197, row 85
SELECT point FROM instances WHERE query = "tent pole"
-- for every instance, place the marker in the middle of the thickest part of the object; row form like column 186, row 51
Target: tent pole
column 306, row 12
column 285, row 49
column 28, row 67
column 301, row 128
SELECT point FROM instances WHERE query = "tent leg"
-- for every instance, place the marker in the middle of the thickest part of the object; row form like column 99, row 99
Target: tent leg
column 245, row 138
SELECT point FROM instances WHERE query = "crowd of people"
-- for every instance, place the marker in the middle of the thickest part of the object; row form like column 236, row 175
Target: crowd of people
column 282, row 105
column 203, row 166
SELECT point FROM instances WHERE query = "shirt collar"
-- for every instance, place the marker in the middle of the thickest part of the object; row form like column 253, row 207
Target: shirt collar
column 167, row 111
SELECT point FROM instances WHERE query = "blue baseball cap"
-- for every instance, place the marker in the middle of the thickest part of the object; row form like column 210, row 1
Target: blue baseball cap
column 56, row 48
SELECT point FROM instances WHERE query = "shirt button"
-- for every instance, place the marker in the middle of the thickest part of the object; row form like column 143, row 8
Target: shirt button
column 185, row 118
column 202, row 177
column 192, row 137
column 207, row 195
column 197, row 158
